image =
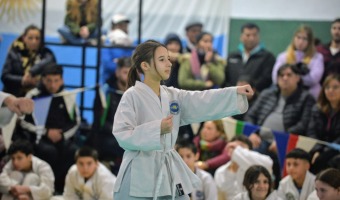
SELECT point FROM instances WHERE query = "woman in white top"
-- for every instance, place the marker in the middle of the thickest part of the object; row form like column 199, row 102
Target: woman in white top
column 147, row 121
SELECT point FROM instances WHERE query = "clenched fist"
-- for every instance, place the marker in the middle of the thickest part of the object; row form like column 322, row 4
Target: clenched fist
column 166, row 125
column 20, row 106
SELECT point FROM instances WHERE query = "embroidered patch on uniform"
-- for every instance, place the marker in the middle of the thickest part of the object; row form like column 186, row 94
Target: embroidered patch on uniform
column 289, row 196
column 174, row 108
column 179, row 188
column 199, row 195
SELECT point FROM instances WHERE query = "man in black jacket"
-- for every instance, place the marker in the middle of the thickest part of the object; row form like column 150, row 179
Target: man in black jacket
column 251, row 59
column 331, row 51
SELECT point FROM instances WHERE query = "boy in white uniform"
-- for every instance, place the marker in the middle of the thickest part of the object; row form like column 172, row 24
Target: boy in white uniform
column 300, row 182
column 208, row 190
column 88, row 179
column 26, row 176
column 229, row 177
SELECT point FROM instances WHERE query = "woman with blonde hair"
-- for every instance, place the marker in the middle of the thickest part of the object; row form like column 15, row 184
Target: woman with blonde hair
column 302, row 52
column 325, row 123
column 80, row 21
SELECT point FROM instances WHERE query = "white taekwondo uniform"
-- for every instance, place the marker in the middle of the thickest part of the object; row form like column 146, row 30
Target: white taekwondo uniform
column 208, row 191
column 40, row 180
column 99, row 186
column 288, row 190
column 156, row 168
column 229, row 184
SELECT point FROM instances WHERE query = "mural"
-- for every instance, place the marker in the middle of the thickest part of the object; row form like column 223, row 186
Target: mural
column 18, row 10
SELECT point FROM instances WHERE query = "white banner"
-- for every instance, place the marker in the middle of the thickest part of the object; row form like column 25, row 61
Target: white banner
column 159, row 16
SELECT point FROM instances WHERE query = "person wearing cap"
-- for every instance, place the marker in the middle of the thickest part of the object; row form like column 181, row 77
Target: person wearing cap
column 192, row 30
column 80, row 22
column 118, row 35
column 119, row 31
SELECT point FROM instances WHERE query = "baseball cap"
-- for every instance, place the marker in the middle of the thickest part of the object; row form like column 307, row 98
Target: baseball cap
column 118, row 18
column 192, row 24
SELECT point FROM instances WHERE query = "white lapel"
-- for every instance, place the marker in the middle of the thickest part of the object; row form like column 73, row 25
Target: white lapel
column 165, row 102
column 146, row 89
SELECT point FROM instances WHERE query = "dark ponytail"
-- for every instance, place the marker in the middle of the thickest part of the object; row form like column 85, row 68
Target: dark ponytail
column 143, row 53
column 133, row 76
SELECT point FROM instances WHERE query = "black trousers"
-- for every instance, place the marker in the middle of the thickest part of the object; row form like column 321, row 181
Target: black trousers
column 60, row 156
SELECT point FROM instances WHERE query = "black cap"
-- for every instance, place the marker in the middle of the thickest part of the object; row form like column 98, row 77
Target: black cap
column 192, row 24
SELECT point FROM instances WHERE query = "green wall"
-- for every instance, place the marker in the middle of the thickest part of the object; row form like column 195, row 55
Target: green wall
column 277, row 34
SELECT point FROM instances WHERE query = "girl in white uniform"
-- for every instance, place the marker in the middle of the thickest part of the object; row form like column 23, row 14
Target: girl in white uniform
column 327, row 185
column 258, row 184
column 147, row 121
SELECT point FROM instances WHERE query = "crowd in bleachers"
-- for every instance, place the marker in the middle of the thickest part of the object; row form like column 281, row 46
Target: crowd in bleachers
column 298, row 92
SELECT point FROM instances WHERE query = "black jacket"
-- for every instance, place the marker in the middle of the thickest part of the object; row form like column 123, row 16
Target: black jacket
column 296, row 113
column 13, row 70
column 259, row 67
column 57, row 117
column 324, row 127
column 101, row 137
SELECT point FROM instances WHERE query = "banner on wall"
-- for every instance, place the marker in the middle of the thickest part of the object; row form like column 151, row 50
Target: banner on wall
column 158, row 18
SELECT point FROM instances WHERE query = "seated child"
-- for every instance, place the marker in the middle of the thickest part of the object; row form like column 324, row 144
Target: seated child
column 26, row 176
column 300, row 182
column 258, row 183
column 229, row 177
column 88, row 179
column 211, row 146
column 208, row 190
column 327, row 185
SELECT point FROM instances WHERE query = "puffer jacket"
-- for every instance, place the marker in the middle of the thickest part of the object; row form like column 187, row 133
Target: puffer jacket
column 324, row 127
column 296, row 113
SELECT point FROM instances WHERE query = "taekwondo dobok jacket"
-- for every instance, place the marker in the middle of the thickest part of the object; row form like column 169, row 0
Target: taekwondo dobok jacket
column 155, row 166
column 42, row 190
column 288, row 190
column 245, row 196
column 98, row 187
